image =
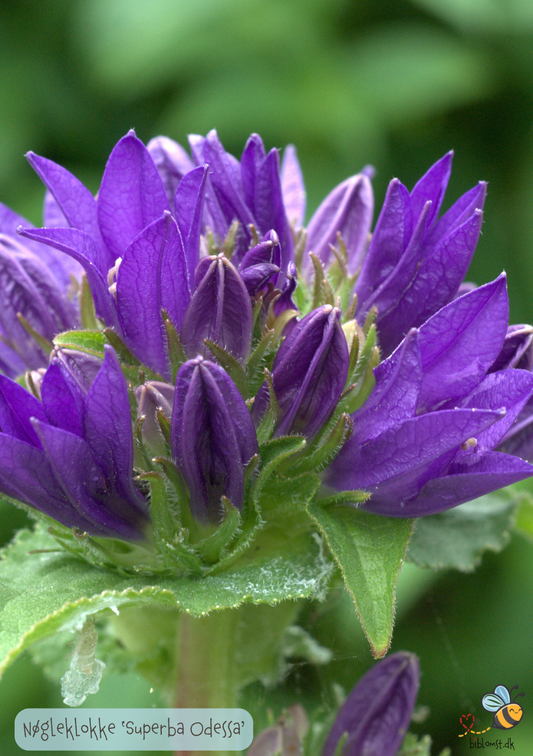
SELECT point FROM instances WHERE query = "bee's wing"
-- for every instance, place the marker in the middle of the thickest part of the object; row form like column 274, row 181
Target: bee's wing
column 503, row 693
column 492, row 702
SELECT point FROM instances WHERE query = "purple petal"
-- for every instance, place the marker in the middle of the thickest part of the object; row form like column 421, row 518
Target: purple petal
column 131, row 196
column 517, row 349
column 460, row 212
column 212, row 436
column 434, row 283
column 252, row 158
column 18, row 293
column 389, row 240
column 62, row 405
column 108, row 431
column 84, row 486
column 377, row 712
column 269, row 209
column 293, row 188
column 189, row 208
column 459, row 344
column 81, row 247
column 347, row 209
column 75, row 201
column 395, row 465
column 59, row 265
column 398, row 283
column 395, row 396
column 17, row 407
column 482, row 475
column 172, row 162
column 309, row 374
column 432, row 186
column 226, row 179
column 508, row 389
column 152, row 275
column 26, row 475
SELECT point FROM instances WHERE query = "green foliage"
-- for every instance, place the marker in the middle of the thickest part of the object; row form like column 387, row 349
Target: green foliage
column 458, row 537
column 369, row 551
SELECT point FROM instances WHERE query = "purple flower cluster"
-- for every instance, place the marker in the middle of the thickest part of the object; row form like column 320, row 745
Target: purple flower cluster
column 229, row 313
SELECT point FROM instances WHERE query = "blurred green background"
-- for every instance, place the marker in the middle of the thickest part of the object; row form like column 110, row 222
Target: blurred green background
column 349, row 82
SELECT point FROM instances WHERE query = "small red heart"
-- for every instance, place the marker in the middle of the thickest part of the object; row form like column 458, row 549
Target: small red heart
column 467, row 717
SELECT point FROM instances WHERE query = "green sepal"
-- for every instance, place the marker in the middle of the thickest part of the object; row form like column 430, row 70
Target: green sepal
column 170, row 540
column 318, row 282
column 39, row 339
column 184, row 516
column 370, row 551
column 215, row 546
column 318, row 457
column 255, row 360
column 231, row 237
column 120, row 348
column 175, row 348
column 269, row 419
column 362, row 380
column 232, row 367
column 345, row 497
column 273, row 453
column 91, row 342
column 87, row 309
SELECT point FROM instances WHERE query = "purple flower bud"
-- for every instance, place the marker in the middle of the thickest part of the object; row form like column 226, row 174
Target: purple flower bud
column 261, row 264
column 346, row 210
column 212, row 437
column 220, row 310
column 152, row 397
column 376, row 714
column 309, row 374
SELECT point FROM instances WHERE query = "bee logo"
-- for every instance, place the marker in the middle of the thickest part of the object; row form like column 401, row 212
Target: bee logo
column 507, row 713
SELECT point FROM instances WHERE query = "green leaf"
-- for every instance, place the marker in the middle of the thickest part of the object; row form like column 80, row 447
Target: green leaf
column 458, row 537
column 43, row 592
column 369, row 551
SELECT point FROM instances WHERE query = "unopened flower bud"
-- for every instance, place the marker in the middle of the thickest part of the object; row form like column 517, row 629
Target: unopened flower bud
column 212, row 437
column 376, row 714
column 309, row 374
column 220, row 310
column 154, row 397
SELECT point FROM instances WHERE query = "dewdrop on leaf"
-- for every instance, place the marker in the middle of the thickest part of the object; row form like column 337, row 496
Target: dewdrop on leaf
column 85, row 671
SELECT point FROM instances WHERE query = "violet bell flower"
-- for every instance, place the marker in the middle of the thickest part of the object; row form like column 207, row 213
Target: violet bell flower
column 71, row 455
column 35, row 283
column 424, row 441
column 309, row 374
column 415, row 263
column 131, row 222
column 212, row 437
